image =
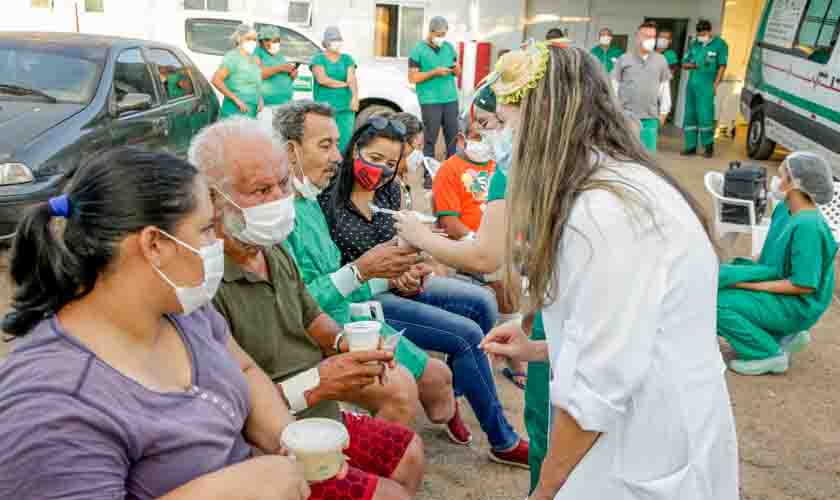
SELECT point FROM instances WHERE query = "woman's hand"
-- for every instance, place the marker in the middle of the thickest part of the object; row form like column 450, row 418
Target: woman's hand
column 509, row 341
column 410, row 229
column 354, row 105
column 242, row 106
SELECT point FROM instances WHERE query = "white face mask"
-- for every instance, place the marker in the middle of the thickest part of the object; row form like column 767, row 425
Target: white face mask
column 334, row 46
column 663, row 43
column 266, row 225
column 305, row 187
column 249, row 46
column 776, row 188
column 415, row 160
column 192, row 298
column 649, row 44
column 703, row 39
column 274, row 48
column 605, row 40
column 479, row 151
column 438, row 41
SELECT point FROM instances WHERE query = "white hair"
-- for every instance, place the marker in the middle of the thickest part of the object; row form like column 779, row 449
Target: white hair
column 214, row 146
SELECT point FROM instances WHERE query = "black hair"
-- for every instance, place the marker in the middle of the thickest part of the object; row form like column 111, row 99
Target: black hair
column 341, row 188
column 111, row 197
column 413, row 125
column 703, row 25
column 648, row 25
column 554, row 33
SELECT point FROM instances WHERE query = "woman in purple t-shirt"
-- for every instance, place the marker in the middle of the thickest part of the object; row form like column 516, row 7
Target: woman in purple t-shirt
column 125, row 383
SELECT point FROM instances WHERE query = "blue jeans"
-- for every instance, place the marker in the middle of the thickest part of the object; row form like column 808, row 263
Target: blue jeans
column 451, row 316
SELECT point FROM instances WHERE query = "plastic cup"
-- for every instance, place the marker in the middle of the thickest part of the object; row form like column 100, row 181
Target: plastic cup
column 363, row 335
column 318, row 445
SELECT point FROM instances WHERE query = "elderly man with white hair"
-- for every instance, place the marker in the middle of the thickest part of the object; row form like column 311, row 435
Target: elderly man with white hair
column 274, row 318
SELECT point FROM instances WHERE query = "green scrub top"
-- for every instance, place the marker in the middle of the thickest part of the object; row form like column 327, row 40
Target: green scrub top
column 278, row 89
column 802, row 248
column 671, row 57
column 339, row 99
column 440, row 89
column 244, row 76
column 173, row 90
column 607, row 58
column 708, row 58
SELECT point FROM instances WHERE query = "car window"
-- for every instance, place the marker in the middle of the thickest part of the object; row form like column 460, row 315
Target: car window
column 210, row 36
column 293, row 45
column 132, row 76
column 175, row 79
column 26, row 72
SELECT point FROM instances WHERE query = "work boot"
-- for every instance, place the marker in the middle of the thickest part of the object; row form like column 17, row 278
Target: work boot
column 776, row 364
column 796, row 342
column 710, row 151
column 688, row 152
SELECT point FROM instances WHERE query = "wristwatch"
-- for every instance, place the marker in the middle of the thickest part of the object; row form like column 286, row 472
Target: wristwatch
column 356, row 273
column 337, row 341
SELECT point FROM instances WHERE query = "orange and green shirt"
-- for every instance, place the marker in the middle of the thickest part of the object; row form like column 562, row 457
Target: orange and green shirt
column 460, row 190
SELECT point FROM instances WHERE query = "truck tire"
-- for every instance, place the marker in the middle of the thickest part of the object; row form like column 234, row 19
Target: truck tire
column 759, row 147
column 368, row 111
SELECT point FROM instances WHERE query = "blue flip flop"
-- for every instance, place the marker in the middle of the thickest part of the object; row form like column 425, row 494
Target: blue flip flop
column 511, row 375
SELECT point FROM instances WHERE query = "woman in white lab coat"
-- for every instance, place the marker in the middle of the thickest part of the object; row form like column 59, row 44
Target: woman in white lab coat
column 623, row 269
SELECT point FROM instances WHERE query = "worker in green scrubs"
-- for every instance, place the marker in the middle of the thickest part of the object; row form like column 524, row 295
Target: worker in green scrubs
column 766, row 306
column 604, row 52
column 706, row 59
column 335, row 83
column 278, row 74
column 664, row 41
column 239, row 77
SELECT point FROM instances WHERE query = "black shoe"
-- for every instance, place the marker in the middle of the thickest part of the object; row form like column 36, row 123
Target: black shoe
column 710, row 151
column 688, row 152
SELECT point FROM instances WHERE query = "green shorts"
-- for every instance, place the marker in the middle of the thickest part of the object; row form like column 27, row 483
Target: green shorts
column 408, row 354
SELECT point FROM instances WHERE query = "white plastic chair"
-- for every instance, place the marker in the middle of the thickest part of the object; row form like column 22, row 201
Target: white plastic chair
column 728, row 231
column 831, row 212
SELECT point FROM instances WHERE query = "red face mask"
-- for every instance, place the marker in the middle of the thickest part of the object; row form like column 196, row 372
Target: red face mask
column 372, row 176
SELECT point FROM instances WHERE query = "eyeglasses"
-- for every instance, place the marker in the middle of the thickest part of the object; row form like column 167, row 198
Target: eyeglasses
column 381, row 123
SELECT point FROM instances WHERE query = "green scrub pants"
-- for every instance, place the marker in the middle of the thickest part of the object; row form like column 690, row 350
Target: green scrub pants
column 346, row 121
column 649, row 133
column 537, row 406
column 753, row 322
column 229, row 108
column 699, row 114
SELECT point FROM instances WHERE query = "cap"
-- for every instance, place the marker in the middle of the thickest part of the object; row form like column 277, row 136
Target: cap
column 812, row 175
column 332, row 34
column 438, row 24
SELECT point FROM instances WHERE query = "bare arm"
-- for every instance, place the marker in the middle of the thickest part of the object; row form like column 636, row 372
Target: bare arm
column 324, row 330
column 416, row 76
column 719, row 78
column 352, row 82
column 781, row 287
column 269, row 413
column 324, row 80
column 219, row 82
column 269, row 71
column 569, row 443
column 453, row 226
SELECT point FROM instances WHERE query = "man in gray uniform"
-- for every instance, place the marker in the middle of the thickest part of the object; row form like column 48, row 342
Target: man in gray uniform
column 642, row 79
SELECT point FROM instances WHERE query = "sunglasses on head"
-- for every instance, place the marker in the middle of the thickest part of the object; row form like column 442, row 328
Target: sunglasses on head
column 380, row 123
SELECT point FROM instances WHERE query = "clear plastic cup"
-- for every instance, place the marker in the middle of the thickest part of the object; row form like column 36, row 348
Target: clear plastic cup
column 318, row 445
column 363, row 335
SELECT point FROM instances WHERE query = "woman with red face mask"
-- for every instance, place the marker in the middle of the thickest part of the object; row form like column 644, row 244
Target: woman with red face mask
column 436, row 313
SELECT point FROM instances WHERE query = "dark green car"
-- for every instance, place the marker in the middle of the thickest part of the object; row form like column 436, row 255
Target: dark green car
column 65, row 98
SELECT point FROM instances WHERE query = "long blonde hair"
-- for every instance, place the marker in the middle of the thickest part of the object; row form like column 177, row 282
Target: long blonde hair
column 568, row 121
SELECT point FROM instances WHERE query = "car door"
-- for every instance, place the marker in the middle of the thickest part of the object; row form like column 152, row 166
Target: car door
column 145, row 125
column 182, row 105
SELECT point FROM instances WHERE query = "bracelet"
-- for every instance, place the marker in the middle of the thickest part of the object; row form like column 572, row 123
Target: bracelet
column 337, row 341
column 357, row 273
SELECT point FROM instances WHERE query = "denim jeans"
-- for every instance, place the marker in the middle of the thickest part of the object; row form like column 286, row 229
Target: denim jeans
column 451, row 316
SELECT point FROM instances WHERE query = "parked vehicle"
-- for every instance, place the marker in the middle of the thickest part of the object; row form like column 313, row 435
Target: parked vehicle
column 65, row 98
column 791, row 96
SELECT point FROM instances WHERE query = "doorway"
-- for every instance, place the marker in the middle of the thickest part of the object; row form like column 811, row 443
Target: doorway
column 679, row 28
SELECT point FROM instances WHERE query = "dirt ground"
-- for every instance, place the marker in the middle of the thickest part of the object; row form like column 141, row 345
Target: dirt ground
column 788, row 426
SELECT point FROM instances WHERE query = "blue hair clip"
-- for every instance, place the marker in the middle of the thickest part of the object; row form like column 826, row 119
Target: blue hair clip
column 60, row 206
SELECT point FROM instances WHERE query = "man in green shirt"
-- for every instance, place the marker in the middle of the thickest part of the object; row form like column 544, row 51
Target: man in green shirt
column 277, row 322
column 604, row 52
column 706, row 59
column 433, row 68
column 278, row 74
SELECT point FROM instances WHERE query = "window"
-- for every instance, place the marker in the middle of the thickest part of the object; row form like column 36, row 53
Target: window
column 176, row 80
column 67, row 77
column 132, row 76
column 94, row 5
column 398, row 28
column 217, row 5
column 41, row 4
column 210, row 36
column 818, row 30
column 293, row 45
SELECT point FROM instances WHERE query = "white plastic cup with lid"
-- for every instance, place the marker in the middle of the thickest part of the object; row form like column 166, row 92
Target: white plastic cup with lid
column 363, row 335
column 318, row 445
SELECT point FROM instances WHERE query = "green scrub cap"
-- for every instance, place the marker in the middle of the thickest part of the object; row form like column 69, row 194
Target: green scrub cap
column 268, row 33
